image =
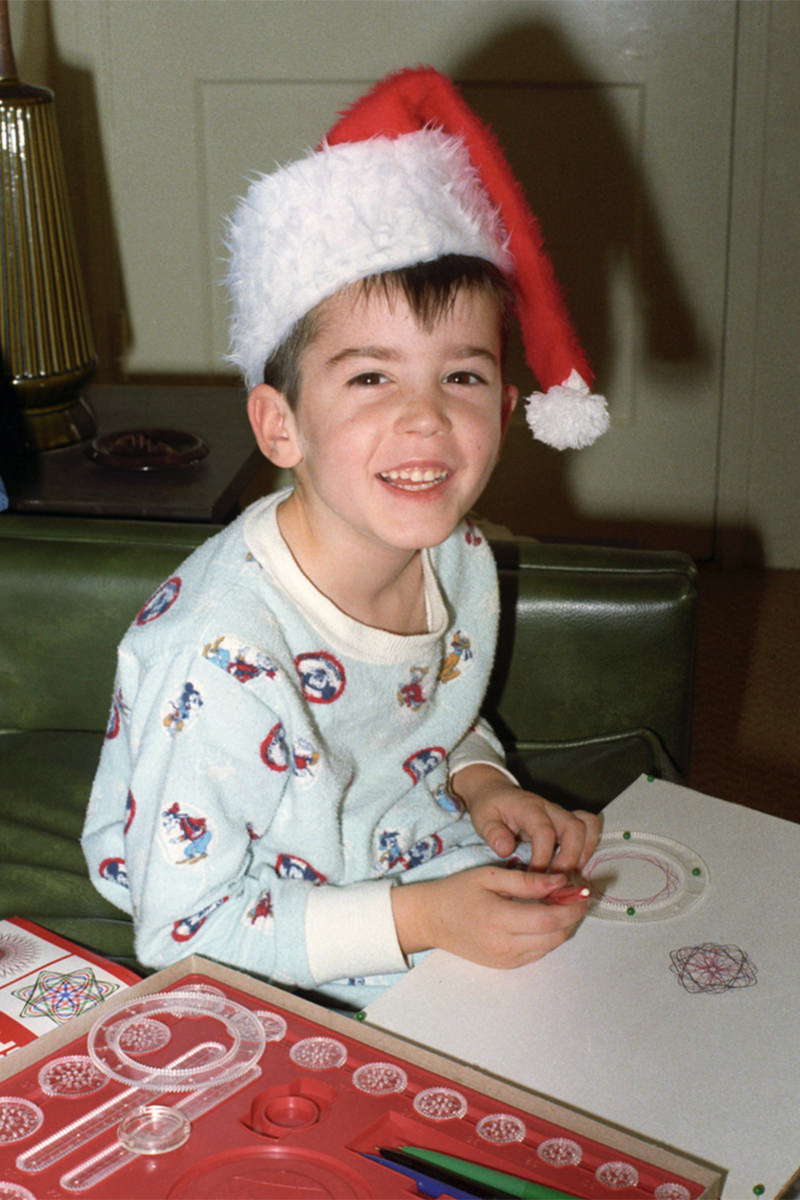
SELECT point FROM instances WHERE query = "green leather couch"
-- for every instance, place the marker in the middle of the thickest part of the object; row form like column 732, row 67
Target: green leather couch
column 592, row 685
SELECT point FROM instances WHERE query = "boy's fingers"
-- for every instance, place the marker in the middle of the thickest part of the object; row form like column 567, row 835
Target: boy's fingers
column 523, row 885
column 578, row 837
column 543, row 840
column 499, row 837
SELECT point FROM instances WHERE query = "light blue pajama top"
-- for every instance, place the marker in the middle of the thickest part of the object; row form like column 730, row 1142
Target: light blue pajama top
column 272, row 767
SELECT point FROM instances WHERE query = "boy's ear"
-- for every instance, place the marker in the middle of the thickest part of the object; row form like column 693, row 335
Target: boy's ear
column 273, row 425
column 508, row 404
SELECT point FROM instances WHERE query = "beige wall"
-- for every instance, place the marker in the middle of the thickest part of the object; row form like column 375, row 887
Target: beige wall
column 686, row 126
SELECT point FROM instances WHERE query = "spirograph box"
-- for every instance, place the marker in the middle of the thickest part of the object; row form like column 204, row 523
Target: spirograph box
column 200, row 1083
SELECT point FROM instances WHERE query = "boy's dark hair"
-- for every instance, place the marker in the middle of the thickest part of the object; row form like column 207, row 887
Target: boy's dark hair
column 430, row 289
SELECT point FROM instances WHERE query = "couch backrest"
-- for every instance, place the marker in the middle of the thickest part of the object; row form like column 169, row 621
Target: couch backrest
column 69, row 588
column 595, row 643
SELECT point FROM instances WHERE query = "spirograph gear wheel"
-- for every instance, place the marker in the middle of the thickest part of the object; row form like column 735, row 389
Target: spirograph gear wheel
column 643, row 877
column 243, row 1027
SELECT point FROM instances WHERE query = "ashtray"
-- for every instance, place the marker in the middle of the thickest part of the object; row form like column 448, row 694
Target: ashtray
column 147, row 449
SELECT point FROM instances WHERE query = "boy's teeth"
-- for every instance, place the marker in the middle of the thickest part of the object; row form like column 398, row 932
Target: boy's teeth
column 415, row 475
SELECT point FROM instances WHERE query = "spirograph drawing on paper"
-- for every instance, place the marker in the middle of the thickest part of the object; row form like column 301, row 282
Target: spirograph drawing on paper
column 644, row 876
column 62, row 996
column 18, row 954
column 711, row 968
column 671, row 878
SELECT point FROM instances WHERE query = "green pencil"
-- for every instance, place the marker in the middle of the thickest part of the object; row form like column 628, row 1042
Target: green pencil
column 512, row 1185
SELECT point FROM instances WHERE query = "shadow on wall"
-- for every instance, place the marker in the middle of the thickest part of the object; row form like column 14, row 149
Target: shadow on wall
column 580, row 168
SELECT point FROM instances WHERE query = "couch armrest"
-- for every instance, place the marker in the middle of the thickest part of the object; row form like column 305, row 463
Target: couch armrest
column 594, row 673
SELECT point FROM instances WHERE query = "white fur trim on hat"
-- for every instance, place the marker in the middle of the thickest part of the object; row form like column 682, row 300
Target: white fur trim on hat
column 567, row 416
column 340, row 214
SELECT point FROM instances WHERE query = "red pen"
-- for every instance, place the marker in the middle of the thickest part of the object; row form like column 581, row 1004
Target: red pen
column 568, row 895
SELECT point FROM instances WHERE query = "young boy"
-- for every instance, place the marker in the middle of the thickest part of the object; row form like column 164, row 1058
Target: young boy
column 295, row 778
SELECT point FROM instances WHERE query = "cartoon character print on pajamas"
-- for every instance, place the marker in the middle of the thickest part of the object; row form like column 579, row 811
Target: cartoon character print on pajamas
column 303, row 758
column 418, row 765
column 119, row 709
column 186, row 836
column 260, row 914
column 187, row 927
column 447, row 800
column 183, row 709
column 322, row 676
column 161, row 601
column 459, row 658
column 472, row 535
column 242, row 662
column 411, row 694
column 114, row 870
column 130, row 812
column 393, row 855
column 291, row 866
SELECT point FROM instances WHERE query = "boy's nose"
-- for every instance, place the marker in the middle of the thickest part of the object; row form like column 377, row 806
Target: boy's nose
column 424, row 413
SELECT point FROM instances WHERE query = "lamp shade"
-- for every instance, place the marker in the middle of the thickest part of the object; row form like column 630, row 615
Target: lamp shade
column 46, row 342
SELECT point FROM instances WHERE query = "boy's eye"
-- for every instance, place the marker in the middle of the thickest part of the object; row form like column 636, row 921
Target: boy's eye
column 368, row 379
column 464, row 377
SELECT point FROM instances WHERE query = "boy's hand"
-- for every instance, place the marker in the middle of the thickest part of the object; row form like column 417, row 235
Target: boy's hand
column 503, row 814
column 489, row 915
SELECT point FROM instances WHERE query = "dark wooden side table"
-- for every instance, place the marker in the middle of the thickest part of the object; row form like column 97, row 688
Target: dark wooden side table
column 69, row 481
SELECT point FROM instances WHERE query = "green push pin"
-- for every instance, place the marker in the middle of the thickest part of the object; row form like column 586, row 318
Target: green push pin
column 631, row 911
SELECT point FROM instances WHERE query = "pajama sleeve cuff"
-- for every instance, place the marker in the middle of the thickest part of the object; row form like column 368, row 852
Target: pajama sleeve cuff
column 350, row 931
column 475, row 748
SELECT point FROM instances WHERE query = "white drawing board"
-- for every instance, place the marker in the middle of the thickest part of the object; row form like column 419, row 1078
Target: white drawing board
column 682, row 1028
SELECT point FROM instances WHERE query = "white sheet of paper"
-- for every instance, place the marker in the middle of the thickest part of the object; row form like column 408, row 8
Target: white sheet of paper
column 603, row 1024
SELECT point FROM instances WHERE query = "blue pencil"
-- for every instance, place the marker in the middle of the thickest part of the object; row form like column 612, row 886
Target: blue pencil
column 427, row 1185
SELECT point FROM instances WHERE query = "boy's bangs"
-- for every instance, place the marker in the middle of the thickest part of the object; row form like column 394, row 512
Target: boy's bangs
column 430, row 288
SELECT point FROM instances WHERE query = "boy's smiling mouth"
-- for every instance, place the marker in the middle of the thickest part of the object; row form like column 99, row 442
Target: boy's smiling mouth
column 414, row 479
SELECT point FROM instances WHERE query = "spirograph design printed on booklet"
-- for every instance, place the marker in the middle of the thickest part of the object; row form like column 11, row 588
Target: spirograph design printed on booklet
column 19, row 954
column 644, row 877
column 62, row 995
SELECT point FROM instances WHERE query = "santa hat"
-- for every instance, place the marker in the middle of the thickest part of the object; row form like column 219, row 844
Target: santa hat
column 408, row 174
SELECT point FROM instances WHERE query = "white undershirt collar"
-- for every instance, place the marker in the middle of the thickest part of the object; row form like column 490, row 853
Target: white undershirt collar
column 352, row 638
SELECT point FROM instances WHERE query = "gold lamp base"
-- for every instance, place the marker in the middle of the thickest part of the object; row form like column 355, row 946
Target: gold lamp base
column 50, row 428
column 46, row 344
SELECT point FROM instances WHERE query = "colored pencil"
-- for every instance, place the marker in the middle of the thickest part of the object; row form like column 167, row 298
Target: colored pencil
column 472, row 1172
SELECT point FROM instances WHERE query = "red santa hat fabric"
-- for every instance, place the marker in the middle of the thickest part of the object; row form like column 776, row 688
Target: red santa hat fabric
column 407, row 174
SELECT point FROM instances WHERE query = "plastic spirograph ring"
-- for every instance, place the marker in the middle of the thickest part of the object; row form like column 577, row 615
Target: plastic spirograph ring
column 643, row 877
column 243, row 1027
column 154, row 1129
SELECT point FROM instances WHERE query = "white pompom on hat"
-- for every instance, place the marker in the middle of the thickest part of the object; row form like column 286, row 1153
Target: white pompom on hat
column 408, row 174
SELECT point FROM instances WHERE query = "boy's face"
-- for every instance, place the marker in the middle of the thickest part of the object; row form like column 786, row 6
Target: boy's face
column 397, row 427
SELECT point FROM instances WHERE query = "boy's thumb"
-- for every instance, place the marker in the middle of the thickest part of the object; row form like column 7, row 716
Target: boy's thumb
column 499, row 837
